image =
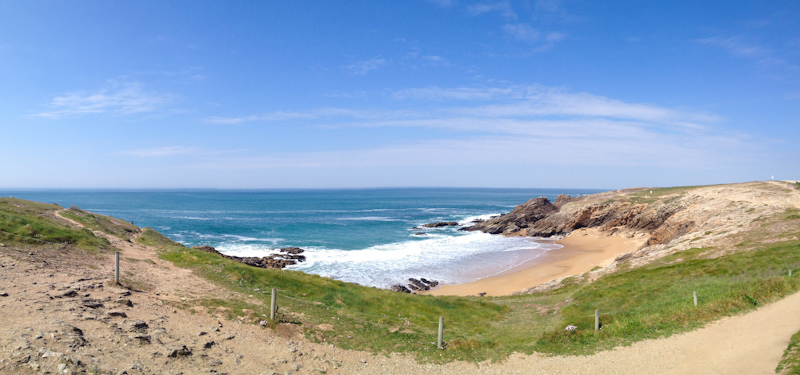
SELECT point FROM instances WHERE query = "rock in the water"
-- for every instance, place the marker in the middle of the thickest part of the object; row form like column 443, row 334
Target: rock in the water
column 441, row 224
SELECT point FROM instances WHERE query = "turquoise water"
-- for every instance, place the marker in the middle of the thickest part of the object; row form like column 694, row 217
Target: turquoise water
column 363, row 236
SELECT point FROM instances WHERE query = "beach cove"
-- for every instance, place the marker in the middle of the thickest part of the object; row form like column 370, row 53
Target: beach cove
column 581, row 251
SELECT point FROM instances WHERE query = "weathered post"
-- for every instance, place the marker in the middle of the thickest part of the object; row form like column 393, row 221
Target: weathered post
column 695, row 298
column 596, row 320
column 273, row 307
column 441, row 332
column 116, row 267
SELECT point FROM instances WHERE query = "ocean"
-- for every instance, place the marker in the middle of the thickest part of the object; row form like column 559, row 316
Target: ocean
column 365, row 236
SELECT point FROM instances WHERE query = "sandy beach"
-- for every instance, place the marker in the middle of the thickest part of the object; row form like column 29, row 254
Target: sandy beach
column 583, row 250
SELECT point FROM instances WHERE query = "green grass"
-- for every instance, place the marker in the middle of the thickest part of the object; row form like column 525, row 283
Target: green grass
column 790, row 363
column 32, row 223
column 113, row 226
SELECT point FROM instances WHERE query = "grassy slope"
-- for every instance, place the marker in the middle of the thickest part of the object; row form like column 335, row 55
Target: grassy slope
column 651, row 301
column 31, row 223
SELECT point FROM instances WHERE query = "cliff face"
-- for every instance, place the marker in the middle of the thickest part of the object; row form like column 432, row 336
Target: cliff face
column 674, row 219
column 540, row 218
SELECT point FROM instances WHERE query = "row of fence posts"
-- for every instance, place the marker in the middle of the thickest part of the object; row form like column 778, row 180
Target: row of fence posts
column 273, row 305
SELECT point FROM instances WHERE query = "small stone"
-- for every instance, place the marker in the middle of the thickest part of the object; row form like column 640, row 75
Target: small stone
column 62, row 367
column 3, row 294
column 142, row 338
column 202, row 333
column 92, row 303
column 229, row 337
column 139, row 325
column 118, row 313
column 181, row 351
column 208, row 345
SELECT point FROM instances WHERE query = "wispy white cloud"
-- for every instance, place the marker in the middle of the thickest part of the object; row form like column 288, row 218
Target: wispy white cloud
column 503, row 8
column 315, row 114
column 161, row 151
column 521, row 31
column 178, row 150
column 739, row 46
column 366, row 66
column 116, row 98
column 458, row 93
column 736, row 46
column 519, row 125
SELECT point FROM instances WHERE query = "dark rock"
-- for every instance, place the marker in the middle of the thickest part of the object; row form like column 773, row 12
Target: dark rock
column 139, row 326
column 118, row 313
column 287, row 257
column 292, row 250
column 400, row 288
column 419, row 284
column 441, row 224
column 69, row 293
column 3, row 294
column 181, row 351
column 145, row 339
column 523, row 216
column 208, row 345
column 92, row 303
column 125, row 302
column 420, row 234
column 430, row 283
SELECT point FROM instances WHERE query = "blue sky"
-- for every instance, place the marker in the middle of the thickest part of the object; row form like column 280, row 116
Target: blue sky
column 320, row 94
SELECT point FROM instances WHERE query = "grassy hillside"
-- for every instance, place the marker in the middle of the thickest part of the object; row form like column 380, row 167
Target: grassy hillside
column 31, row 223
column 635, row 303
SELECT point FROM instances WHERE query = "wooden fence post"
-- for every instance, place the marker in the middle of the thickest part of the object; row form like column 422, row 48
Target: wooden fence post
column 596, row 320
column 695, row 298
column 273, row 306
column 441, row 332
column 116, row 267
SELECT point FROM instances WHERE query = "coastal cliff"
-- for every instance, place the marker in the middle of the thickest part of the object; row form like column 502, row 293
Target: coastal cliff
column 672, row 219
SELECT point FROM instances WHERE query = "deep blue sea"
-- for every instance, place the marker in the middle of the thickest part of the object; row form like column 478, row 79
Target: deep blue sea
column 362, row 236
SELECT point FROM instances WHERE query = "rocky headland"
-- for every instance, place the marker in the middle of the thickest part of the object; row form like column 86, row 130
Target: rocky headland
column 671, row 219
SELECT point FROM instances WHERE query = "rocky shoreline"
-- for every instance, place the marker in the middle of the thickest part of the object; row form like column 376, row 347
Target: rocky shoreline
column 287, row 257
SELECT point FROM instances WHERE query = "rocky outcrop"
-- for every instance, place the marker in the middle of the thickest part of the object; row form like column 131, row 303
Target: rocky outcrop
column 540, row 218
column 288, row 257
column 523, row 216
column 413, row 284
column 441, row 224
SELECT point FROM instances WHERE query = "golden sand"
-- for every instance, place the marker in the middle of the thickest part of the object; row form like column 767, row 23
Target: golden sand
column 583, row 250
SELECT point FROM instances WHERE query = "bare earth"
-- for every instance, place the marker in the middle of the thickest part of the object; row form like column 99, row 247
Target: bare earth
column 61, row 313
